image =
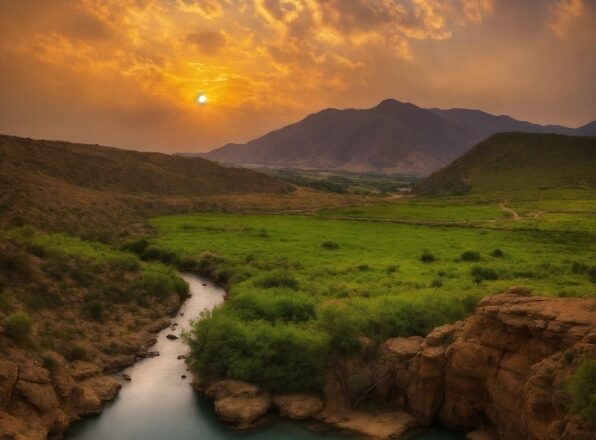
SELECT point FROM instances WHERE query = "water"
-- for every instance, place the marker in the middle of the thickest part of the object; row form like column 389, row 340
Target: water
column 158, row 404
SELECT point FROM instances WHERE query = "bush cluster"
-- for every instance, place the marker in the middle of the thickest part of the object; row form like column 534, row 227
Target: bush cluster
column 17, row 326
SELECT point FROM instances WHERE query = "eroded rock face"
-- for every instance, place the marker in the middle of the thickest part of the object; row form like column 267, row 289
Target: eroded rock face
column 503, row 367
column 239, row 403
column 298, row 406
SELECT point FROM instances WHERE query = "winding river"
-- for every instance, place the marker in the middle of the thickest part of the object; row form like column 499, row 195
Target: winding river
column 158, row 404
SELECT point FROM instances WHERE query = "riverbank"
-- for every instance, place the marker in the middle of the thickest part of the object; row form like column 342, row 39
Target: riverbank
column 76, row 313
column 499, row 374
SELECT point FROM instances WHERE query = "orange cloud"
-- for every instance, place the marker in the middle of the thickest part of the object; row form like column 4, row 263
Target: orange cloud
column 96, row 69
column 563, row 15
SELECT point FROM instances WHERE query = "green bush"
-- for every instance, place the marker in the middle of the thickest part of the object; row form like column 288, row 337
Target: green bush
column 280, row 358
column 392, row 268
column 497, row 253
column 481, row 273
column 126, row 263
column 272, row 307
column 137, row 246
column 427, row 257
column 17, row 326
column 330, row 245
column 156, row 253
column 76, row 353
column 277, row 278
column 581, row 386
column 470, row 256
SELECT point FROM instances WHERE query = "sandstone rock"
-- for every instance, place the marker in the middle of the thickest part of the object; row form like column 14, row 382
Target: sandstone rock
column 231, row 388
column 81, row 370
column 41, row 396
column 90, row 394
column 298, row 406
column 172, row 337
column 8, row 378
column 242, row 411
column 32, row 372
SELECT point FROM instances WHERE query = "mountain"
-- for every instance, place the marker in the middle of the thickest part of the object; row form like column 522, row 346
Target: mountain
column 518, row 161
column 393, row 137
column 57, row 185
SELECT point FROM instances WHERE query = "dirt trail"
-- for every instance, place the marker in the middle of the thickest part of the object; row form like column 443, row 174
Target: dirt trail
column 509, row 210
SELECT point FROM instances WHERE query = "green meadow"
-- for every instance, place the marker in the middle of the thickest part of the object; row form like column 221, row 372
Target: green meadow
column 314, row 284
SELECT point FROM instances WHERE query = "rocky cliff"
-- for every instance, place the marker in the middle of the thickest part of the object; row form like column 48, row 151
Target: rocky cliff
column 501, row 371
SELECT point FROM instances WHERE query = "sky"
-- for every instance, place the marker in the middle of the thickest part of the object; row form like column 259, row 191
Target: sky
column 128, row 72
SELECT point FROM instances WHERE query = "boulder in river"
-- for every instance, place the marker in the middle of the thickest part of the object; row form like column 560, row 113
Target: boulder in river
column 298, row 406
column 172, row 337
column 239, row 403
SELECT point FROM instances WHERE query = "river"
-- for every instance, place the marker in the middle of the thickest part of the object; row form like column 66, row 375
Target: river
column 158, row 404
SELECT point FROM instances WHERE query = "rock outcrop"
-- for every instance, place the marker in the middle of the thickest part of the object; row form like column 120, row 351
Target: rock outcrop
column 239, row 403
column 502, row 368
column 499, row 374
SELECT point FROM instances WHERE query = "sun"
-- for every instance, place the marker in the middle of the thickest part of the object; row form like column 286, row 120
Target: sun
column 201, row 99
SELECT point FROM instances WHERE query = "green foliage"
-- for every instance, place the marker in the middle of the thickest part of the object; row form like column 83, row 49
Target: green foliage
column 330, row 245
column 160, row 283
column 482, row 273
column 124, row 262
column 497, row 253
column 470, row 256
column 136, row 246
column 281, row 358
column 17, row 326
column 581, row 386
column 273, row 306
column 427, row 257
column 277, row 278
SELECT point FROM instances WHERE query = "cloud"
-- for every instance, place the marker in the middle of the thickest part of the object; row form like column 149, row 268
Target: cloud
column 208, row 42
column 563, row 14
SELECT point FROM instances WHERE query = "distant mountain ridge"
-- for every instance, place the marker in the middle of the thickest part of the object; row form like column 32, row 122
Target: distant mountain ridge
column 392, row 137
column 517, row 161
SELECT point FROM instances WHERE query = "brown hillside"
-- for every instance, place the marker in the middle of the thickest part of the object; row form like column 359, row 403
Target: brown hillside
column 58, row 185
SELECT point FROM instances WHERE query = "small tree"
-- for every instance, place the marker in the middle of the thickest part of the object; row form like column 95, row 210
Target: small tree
column 18, row 326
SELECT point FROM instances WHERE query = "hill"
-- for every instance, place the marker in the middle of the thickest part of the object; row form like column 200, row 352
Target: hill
column 518, row 161
column 60, row 185
column 393, row 137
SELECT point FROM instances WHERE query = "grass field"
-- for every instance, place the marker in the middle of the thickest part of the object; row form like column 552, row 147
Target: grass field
column 323, row 280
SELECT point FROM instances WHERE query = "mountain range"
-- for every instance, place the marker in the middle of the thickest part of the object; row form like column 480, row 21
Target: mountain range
column 392, row 137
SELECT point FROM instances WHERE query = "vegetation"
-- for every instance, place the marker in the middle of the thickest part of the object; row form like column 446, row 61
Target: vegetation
column 581, row 386
column 18, row 326
column 386, row 279
column 517, row 161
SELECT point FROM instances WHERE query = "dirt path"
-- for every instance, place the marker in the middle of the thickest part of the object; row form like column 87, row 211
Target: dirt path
column 509, row 210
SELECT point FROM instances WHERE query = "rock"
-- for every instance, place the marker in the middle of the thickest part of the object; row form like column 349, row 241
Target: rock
column 8, row 435
column 231, row 388
column 126, row 377
column 183, row 376
column 82, row 370
column 8, row 378
column 61, row 377
column 41, row 396
column 298, row 406
column 238, row 402
column 32, row 372
column 172, row 337
column 90, row 394
column 242, row 411
column 181, row 356
column 203, row 284
column 499, row 371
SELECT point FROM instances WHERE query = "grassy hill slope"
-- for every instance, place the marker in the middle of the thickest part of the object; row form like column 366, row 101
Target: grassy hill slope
column 58, row 185
column 518, row 161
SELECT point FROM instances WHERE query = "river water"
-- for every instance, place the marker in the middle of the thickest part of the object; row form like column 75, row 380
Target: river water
column 158, row 404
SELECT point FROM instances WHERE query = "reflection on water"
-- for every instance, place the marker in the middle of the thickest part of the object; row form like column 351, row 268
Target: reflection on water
column 158, row 404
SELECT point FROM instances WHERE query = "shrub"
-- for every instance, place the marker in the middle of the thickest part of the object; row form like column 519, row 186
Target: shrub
column 95, row 309
column 427, row 257
column 153, row 252
column 436, row 283
column 17, row 326
column 277, row 306
column 480, row 273
column 277, row 278
column 470, row 256
column 15, row 261
column 137, row 246
column 127, row 263
column 497, row 253
column 392, row 268
column 581, row 386
column 363, row 267
column 330, row 245
column 76, row 353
